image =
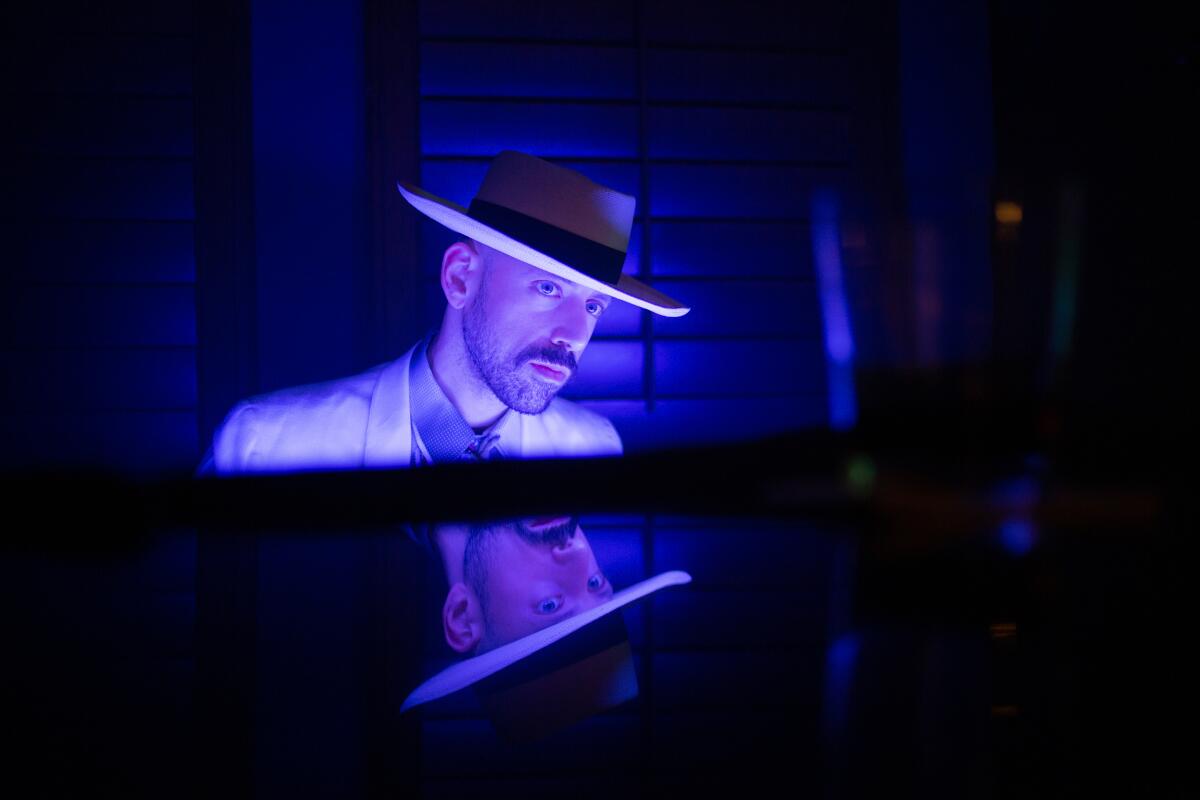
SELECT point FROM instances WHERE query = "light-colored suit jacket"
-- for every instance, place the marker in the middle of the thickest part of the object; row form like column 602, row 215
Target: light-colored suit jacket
column 364, row 422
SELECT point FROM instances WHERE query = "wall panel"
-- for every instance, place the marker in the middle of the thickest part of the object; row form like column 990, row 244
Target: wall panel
column 106, row 189
column 732, row 368
column 740, row 308
column 457, row 127
column 108, row 252
column 527, row 70
column 101, row 379
column 745, row 248
column 585, row 20
column 99, row 316
column 121, row 126
column 746, row 134
column 108, row 65
column 751, row 192
column 746, row 76
column 764, row 24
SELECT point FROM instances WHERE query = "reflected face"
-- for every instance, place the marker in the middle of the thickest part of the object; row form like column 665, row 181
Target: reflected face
column 525, row 330
column 532, row 574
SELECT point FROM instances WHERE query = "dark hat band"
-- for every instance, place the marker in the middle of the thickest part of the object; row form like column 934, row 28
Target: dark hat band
column 593, row 259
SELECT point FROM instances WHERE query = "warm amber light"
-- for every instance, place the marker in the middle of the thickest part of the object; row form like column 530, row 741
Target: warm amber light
column 1008, row 212
column 1003, row 630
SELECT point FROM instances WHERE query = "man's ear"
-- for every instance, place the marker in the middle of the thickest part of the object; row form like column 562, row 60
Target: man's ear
column 462, row 265
column 462, row 620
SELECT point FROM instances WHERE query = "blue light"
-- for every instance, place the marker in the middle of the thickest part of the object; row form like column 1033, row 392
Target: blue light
column 1017, row 536
column 1016, row 498
column 839, row 681
column 839, row 341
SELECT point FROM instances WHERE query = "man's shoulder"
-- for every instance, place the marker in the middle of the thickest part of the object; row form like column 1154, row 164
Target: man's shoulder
column 312, row 425
column 568, row 429
column 351, row 389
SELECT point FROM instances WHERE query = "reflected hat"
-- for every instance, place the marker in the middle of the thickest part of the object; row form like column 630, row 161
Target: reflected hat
column 555, row 676
column 555, row 219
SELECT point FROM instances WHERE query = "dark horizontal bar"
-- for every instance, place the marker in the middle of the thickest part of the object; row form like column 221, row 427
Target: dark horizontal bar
column 40, row 94
column 94, row 36
column 748, row 220
column 450, row 158
column 85, row 410
column 110, row 158
column 541, row 101
column 720, row 47
column 527, row 41
column 43, row 218
column 631, row 44
column 664, row 335
column 93, row 348
column 667, row 162
column 795, row 476
column 24, row 284
column 676, row 396
column 707, row 278
column 764, row 105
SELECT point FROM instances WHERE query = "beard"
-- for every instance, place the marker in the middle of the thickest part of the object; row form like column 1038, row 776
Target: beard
column 504, row 373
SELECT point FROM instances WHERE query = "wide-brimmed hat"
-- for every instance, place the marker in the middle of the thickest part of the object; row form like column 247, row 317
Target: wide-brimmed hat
column 555, row 219
column 554, row 676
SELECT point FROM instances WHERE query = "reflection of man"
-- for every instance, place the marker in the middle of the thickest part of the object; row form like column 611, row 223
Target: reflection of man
column 509, row 580
column 541, row 262
column 541, row 627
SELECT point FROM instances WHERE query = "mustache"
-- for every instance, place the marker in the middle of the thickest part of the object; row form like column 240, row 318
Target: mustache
column 556, row 535
column 559, row 357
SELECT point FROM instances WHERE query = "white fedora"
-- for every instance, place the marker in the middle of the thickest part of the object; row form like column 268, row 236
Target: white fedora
column 596, row 678
column 555, row 219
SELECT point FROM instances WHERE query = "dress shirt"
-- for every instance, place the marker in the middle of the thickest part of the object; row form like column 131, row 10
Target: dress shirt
column 440, row 434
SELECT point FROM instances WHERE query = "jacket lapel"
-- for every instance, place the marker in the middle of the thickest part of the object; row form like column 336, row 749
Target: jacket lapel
column 389, row 421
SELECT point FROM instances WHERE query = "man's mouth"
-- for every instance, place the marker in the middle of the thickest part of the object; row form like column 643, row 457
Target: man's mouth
column 550, row 373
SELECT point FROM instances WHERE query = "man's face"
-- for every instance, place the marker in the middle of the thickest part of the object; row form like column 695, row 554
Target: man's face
column 525, row 330
column 532, row 574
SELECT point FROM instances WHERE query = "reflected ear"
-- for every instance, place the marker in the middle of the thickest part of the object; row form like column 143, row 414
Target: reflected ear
column 461, row 265
column 462, row 620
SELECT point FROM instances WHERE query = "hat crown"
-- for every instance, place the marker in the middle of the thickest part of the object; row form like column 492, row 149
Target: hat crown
column 559, row 197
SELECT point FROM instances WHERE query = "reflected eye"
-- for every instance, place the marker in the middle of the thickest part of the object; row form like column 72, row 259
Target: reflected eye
column 549, row 605
column 548, row 288
column 596, row 582
column 595, row 308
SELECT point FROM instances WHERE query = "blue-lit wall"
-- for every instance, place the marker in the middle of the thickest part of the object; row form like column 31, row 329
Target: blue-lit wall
column 309, row 142
column 98, row 330
column 722, row 125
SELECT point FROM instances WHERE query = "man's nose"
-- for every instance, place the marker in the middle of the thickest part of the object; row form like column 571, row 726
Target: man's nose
column 572, row 327
column 569, row 551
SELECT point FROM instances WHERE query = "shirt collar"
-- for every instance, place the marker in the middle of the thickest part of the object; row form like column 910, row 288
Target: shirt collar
column 445, row 434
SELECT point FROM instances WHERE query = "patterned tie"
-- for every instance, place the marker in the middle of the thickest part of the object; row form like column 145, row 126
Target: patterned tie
column 483, row 448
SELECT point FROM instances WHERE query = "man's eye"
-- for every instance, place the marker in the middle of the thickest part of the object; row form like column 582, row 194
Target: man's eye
column 548, row 606
column 596, row 583
column 547, row 288
column 594, row 308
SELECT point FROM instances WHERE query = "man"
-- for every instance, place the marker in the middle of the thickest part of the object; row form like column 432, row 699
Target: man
column 507, row 580
column 540, row 624
column 540, row 263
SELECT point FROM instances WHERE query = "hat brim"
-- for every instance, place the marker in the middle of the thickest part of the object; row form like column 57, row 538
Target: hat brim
column 456, row 218
column 472, row 670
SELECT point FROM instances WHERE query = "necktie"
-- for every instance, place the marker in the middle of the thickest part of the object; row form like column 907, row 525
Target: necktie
column 483, row 448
